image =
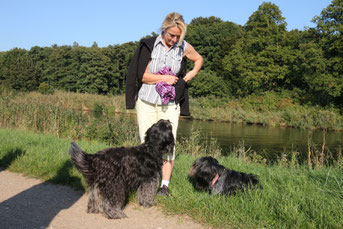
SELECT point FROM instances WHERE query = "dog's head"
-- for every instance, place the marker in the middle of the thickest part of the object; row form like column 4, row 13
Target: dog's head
column 160, row 135
column 203, row 171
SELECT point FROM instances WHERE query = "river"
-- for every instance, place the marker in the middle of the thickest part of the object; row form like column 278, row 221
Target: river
column 260, row 138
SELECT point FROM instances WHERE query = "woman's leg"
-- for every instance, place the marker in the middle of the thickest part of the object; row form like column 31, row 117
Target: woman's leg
column 171, row 113
column 167, row 170
column 146, row 117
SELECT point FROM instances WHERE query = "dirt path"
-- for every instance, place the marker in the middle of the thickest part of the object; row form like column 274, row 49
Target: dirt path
column 31, row 203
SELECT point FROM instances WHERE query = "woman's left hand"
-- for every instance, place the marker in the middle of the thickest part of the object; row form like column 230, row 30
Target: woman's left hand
column 187, row 77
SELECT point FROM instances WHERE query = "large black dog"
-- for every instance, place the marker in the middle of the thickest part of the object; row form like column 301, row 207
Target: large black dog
column 208, row 175
column 112, row 173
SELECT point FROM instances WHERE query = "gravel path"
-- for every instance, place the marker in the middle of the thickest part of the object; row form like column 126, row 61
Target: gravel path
column 31, row 203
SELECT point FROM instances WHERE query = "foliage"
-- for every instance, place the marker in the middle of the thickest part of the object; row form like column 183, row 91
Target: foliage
column 45, row 89
column 330, row 29
column 17, row 71
column 208, row 83
column 261, row 56
column 70, row 68
column 209, row 36
column 259, row 61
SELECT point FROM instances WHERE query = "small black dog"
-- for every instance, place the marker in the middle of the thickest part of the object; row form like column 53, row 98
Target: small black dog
column 208, row 175
column 112, row 173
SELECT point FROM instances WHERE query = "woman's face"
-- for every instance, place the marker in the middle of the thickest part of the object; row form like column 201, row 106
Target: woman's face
column 172, row 36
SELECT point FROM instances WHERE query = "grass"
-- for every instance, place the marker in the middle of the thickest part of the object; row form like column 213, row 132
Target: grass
column 292, row 197
column 270, row 109
column 37, row 131
column 43, row 116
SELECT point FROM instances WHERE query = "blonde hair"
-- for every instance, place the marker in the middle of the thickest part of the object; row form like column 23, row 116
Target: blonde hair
column 172, row 20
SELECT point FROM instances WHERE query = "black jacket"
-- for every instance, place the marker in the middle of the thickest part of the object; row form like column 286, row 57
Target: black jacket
column 135, row 73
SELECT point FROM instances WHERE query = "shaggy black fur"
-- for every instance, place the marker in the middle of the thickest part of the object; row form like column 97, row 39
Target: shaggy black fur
column 203, row 173
column 112, row 173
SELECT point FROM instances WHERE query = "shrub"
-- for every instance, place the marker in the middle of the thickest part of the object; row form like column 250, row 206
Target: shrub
column 207, row 83
column 45, row 89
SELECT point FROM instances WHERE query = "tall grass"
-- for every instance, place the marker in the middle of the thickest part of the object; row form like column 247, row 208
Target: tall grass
column 64, row 121
column 270, row 109
column 62, row 115
column 316, row 156
column 292, row 197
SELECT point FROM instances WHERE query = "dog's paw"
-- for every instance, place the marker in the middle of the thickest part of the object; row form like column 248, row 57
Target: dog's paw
column 115, row 214
column 92, row 210
column 146, row 205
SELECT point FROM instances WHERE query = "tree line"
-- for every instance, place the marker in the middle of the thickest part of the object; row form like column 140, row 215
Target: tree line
column 257, row 57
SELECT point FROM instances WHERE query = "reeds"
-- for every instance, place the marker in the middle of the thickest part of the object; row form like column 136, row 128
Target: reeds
column 316, row 157
column 66, row 122
column 270, row 109
column 197, row 145
column 93, row 117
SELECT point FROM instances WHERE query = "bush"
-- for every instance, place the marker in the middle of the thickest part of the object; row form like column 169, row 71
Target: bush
column 45, row 89
column 207, row 83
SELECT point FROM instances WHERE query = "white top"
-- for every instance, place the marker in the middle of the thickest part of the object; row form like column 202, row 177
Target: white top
column 161, row 58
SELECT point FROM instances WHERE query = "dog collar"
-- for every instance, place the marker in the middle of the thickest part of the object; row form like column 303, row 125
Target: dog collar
column 215, row 179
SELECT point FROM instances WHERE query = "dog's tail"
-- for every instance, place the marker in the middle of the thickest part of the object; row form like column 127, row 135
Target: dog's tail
column 81, row 160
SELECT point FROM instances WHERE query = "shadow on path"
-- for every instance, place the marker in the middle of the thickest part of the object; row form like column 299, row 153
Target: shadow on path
column 37, row 206
column 11, row 156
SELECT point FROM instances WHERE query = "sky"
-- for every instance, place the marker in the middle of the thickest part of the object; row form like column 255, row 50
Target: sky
column 28, row 23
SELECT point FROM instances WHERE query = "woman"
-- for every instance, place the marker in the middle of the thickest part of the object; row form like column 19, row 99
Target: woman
column 168, row 50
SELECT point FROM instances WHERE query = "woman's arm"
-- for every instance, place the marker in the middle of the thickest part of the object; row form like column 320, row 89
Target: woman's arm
column 196, row 58
column 150, row 78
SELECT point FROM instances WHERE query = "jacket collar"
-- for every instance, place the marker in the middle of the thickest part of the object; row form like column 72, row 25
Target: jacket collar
column 149, row 43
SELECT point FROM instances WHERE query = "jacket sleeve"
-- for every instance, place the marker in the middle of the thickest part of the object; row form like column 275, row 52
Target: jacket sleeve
column 130, row 81
column 181, row 90
column 135, row 73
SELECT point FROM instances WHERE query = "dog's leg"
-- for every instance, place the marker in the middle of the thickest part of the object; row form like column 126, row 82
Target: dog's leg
column 147, row 192
column 114, row 200
column 94, row 201
column 112, row 211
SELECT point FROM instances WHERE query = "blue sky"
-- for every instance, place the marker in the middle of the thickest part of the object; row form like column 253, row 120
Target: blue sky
column 27, row 23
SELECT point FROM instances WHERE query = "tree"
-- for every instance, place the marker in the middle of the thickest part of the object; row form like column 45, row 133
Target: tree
column 259, row 61
column 330, row 28
column 208, row 36
column 120, row 56
column 207, row 83
column 40, row 57
column 18, row 71
column 94, row 75
column 209, row 21
column 61, row 70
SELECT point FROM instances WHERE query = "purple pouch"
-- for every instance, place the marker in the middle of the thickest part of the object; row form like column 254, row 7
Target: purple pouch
column 166, row 71
column 166, row 91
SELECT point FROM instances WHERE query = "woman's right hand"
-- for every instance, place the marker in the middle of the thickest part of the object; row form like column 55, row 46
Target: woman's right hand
column 169, row 79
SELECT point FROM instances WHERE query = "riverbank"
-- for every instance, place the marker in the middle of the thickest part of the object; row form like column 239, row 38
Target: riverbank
column 270, row 109
column 94, row 118
column 293, row 196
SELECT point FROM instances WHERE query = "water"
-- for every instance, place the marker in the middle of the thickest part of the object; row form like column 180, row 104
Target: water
column 259, row 138
column 268, row 141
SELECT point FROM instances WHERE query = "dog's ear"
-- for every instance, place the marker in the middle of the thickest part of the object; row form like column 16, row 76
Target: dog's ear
column 203, row 171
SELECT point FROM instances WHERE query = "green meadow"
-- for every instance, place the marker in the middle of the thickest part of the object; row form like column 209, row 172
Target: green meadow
column 292, row 197
column 36, row 132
